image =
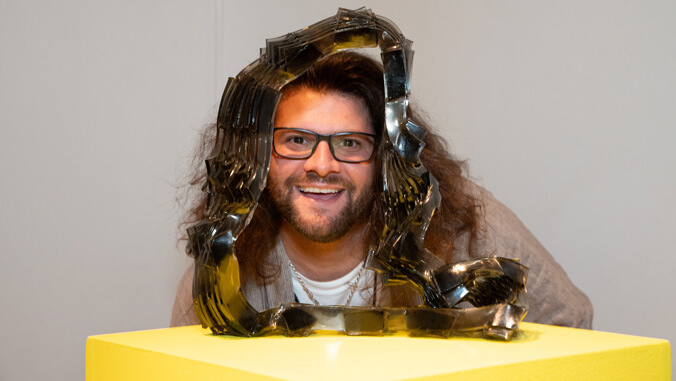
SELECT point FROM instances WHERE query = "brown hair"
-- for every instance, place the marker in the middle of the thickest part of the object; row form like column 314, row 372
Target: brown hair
column 361, row 77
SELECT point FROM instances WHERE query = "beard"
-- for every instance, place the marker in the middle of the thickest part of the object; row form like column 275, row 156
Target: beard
column 313, row 224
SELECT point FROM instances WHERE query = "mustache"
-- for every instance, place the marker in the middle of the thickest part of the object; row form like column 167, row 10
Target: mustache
column 310, row 177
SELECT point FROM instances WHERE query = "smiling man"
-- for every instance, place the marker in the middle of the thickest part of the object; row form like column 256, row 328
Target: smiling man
column 321, row 175
column 322, row 183
column 320, row 212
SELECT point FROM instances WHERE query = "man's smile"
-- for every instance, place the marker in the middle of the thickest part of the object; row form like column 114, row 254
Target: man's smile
column 319, row 190
column 323, row 194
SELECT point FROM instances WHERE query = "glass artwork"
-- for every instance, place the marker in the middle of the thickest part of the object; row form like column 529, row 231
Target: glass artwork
column 484, row 297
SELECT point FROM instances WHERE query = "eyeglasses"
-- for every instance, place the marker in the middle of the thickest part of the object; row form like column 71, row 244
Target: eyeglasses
column 347, row 147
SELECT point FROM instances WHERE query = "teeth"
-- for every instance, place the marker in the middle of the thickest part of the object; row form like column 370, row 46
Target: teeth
column 319, row 190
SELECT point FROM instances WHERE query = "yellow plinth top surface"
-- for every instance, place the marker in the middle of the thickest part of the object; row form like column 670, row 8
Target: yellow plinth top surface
column 539, row 352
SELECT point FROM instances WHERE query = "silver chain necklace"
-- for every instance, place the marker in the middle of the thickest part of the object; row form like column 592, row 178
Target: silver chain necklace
column 352, row 286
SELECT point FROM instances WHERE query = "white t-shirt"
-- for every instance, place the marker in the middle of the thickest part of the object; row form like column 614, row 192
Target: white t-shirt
column 336, row 292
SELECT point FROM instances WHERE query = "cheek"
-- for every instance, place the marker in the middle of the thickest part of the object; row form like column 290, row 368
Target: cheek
column 281, row 169
column 274, row 168
column 364, row 177
column 275, row 173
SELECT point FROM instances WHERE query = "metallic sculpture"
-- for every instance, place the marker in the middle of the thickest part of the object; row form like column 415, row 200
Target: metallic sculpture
column 495, row 287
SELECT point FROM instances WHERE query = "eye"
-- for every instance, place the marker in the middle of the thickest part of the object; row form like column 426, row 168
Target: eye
column 294, row 140
column 297, row 140
column 349, row 143
column 353, row 142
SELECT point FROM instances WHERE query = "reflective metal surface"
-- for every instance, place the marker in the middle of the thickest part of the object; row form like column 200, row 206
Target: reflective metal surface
column 494, row 287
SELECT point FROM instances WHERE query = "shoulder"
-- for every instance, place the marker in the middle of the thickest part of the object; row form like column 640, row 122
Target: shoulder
column 501, row 231
column 554, row 298
column 183, row 312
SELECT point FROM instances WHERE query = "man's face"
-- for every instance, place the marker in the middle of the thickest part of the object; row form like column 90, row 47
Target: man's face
column 321, row 197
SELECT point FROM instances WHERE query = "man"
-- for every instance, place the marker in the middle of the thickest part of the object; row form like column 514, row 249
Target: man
column 319, row 214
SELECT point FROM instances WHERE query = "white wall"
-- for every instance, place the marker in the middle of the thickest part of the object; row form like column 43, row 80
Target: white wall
column 99, row 103
column 564, row 109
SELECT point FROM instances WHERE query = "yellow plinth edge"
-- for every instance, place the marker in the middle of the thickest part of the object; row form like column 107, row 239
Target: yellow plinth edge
column 539, row 352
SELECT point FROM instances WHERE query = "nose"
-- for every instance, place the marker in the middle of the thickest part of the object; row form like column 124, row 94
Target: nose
column 322, row 161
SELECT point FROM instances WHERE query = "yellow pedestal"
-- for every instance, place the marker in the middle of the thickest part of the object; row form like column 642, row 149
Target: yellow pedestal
column 539, row 352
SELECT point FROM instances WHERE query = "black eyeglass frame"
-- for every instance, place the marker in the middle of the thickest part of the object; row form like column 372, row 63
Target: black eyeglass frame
column 327, row 139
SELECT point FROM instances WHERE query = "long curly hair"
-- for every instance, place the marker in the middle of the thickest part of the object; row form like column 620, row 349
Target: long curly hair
column 361, row 77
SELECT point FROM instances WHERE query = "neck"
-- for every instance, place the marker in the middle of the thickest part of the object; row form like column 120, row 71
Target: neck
column 325, row 261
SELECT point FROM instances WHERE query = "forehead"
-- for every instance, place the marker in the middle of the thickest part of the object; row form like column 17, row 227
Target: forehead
column 322, row 112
